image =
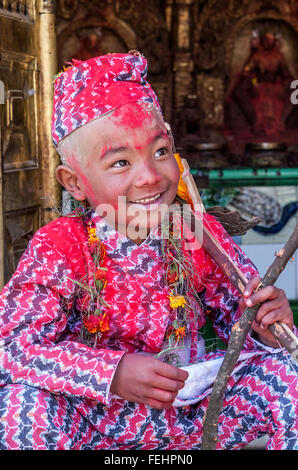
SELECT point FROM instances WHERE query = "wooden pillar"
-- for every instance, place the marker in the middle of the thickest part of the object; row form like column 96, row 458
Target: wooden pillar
column 183, row 63
column 2, row 104
column 50, row 189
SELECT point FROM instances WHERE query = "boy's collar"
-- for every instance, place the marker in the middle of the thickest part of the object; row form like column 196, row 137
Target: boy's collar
column 124, row 251
column 105, row 231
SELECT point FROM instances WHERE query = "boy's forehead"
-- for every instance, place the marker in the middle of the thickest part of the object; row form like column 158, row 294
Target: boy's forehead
column 131, row 124
column 124, row 122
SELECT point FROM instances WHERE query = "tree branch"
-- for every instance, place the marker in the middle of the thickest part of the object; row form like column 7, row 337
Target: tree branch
column 237, row 339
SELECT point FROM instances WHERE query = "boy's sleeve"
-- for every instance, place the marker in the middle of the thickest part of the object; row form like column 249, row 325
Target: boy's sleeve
column 219, row 297
column 33, row 317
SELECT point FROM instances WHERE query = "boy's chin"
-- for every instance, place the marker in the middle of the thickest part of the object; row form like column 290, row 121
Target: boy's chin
column 135, row 231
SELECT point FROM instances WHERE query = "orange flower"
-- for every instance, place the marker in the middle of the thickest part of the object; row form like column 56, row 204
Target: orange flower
column 180, row 332
column 97, row 323
column 100, row 278
column 172, row 277
column 102, row 252
column 92, row 237
column 104, row 323
column 182, row 190
column 100, row 275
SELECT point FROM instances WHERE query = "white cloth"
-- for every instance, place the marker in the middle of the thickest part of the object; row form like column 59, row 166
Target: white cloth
column 203, row 374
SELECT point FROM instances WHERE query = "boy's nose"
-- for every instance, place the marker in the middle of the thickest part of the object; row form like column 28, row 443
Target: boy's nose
column 147, row 174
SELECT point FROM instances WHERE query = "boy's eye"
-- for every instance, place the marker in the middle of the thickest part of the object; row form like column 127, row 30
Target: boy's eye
column 161, row 152
column 120, row 163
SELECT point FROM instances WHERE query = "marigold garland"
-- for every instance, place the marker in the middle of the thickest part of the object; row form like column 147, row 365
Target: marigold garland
column 95, row 320
column 177, row 301
column 179, row 274
column 178, row 271
column 96, row 323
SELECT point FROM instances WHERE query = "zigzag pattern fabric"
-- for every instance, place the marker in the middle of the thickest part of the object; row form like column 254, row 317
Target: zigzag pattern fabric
column 88, row 89
column 55, row 391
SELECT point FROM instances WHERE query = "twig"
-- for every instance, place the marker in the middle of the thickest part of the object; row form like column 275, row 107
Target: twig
column 281, row 332
column 237, row 339
column 236, row 277
column 224, row 261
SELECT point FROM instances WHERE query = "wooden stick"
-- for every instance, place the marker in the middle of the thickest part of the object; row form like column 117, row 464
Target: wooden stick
column 239, row 331
column 237, row 338
column 279, row 330
column 237, row 278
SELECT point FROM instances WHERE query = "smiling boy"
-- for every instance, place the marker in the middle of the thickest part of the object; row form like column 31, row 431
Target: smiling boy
column 94, row 298
column 111, row 158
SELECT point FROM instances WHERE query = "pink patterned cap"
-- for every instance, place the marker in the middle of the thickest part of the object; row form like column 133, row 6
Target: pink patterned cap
column 88, row 89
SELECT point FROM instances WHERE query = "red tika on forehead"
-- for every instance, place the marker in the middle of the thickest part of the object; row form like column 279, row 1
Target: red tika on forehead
column 96, row 86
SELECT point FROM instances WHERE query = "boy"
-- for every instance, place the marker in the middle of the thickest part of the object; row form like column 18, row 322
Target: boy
column 97, row 295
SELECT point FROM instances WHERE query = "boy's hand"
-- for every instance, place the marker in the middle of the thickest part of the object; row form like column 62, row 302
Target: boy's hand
column 275, row 307
column 144, row 379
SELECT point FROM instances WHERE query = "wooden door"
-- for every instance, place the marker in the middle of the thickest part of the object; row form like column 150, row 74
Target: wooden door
column 28, row 189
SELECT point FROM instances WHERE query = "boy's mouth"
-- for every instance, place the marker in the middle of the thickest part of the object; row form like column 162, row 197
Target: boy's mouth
column 147, row 200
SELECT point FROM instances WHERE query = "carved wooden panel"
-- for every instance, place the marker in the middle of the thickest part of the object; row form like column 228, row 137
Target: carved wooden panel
column 90, row 28
column 23, row 10
column 211, row 94
column 19, row 119
column 212, row 41
column 19, row 143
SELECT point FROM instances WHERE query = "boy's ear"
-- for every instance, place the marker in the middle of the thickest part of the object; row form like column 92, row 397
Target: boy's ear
column 68, row 178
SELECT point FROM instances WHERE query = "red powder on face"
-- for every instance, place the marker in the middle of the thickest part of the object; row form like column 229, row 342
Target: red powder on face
column 77, row 168
column 135, row 116
column 104, row 150
column 132, row 116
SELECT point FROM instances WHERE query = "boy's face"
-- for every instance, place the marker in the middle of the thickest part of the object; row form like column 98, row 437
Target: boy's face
column 126, row 153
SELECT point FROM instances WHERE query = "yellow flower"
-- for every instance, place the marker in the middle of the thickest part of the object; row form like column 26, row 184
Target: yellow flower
column 177, row 301
column 92, row 238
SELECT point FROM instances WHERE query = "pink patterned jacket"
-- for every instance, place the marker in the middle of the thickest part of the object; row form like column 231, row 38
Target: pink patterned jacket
column 40, row 312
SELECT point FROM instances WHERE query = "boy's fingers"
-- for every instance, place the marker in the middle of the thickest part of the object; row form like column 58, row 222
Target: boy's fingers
column 169, row 385
column 266, row 293
column 251, row 285
column 280, row 314
column 159, row 405
column 267, row 307
column 265, row 334
column 162, row 395
column 171, row 372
